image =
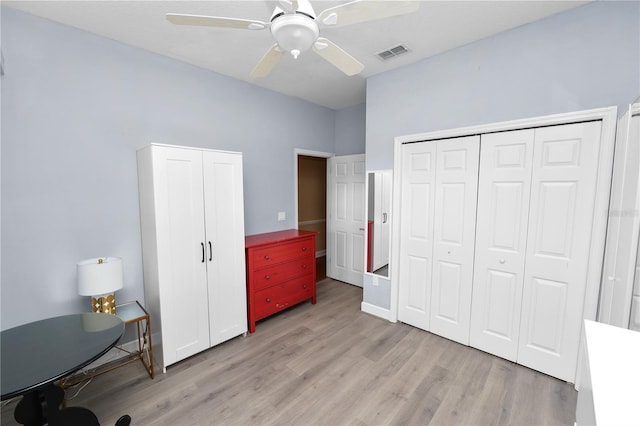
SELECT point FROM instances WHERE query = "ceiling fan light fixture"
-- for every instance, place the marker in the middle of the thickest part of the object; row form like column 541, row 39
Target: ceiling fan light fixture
column 295, row 33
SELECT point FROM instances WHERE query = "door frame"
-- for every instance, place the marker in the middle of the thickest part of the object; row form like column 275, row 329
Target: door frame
column 307, row 153
column 608, row 117
column 297, row 152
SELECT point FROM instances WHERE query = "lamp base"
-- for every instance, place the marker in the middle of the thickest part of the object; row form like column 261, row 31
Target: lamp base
column 105, row 304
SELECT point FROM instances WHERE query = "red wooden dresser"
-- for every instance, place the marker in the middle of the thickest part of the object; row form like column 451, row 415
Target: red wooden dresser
column 281, row 272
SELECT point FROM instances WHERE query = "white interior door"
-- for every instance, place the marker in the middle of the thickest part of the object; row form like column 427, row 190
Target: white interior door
column 501, row 237
column 181, row 252
column 456, row 193
column 224, row 209
column 623, row 226
column 346, row 218
column 417, row 197
column 565, row 161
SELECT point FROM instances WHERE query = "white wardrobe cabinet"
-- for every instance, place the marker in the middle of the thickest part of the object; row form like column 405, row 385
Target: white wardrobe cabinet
column 192, row 222
column 495, row 239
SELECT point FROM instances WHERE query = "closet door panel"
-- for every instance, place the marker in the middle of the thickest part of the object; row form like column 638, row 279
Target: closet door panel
column 416, row 233
column 454, row 236
column 560, row 225
column 503, row 209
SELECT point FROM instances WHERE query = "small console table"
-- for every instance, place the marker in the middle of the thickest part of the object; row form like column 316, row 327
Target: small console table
column 281, row 272
column 129, row 313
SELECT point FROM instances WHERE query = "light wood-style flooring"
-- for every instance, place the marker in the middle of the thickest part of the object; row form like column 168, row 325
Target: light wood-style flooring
column 331, row 364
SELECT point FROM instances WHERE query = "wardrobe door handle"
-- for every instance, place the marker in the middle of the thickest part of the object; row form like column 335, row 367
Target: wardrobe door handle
column 202, row 244
column 210, row 252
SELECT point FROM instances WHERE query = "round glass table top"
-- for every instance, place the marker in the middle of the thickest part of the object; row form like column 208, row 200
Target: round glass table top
column 38, row 353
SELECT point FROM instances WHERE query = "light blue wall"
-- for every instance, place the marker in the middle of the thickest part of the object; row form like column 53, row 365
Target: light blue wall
column 75, row 108
column 350, row 130
column 588, row 57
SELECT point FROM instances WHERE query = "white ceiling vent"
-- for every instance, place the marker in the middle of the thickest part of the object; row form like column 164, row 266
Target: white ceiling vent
column 393, row 52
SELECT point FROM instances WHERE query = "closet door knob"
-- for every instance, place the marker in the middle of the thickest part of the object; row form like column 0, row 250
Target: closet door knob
column 210, row 252
column 501, row 260
column 202, row 244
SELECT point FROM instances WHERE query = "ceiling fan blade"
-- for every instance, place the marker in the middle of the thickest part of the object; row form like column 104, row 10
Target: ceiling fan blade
column 337, row 57
column 288, row 5
column 215, row 21
column 362, row 11
column 268, row 61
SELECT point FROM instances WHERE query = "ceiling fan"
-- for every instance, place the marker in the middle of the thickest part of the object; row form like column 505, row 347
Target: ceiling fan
column 296, row 29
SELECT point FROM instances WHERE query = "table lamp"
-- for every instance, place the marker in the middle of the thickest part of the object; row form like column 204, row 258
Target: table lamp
column 100, row 278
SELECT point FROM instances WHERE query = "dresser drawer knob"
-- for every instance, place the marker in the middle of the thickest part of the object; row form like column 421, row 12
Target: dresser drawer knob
column 304, row 266
column 304, row 249
column 266, row 257
column 304, row 286
column 267, row 277
column 268, row 300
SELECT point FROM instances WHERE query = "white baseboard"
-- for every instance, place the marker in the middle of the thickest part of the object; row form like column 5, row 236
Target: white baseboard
column 375, row 310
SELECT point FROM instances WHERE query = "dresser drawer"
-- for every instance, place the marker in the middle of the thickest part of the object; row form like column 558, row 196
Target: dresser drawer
column 277, row 298
column 270, row 255
column 276, row 274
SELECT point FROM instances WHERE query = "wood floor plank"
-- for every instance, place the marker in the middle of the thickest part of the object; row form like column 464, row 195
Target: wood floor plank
column 330, row 364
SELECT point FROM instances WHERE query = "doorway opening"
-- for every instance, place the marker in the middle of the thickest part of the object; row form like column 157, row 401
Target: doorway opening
column 312, row 203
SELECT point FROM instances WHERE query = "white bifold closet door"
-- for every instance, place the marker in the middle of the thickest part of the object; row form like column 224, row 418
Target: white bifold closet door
column 416, row 233
column 454, row 235
column 563, row 191
column 501, row 241
column 437, row 228
column 535, row 213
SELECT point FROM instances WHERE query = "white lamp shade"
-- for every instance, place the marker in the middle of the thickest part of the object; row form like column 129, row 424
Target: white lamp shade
column 97, row 278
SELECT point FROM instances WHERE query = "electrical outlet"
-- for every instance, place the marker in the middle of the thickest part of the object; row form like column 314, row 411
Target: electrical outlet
column 281, row 216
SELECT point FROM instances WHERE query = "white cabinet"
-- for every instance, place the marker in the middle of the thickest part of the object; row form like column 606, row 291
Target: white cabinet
column 509, row 278
column 381, row 201
column 192, row 221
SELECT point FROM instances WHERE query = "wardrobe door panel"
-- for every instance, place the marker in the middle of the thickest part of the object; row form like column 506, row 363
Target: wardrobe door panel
column 454, row 235
column 181, row 268
column 503, row 210
column 563, row 187
column 416, row 233
column 224, row 208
